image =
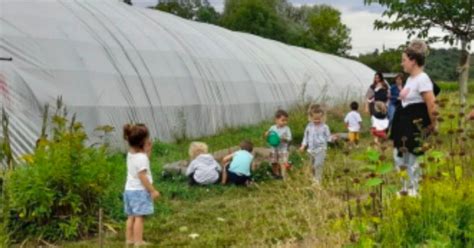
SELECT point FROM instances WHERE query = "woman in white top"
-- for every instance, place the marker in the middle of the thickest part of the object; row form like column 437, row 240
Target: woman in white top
column 414, row 118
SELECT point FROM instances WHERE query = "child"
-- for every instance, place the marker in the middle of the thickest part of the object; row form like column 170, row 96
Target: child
column 380, row 122
column 204, row 169
column 353, row 122
column 139, row 191
column 279, row 154
column 316, row 137
column 313, row 107
column 238, row 172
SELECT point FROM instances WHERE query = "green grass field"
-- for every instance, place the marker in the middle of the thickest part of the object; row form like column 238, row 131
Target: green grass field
column 297, row 213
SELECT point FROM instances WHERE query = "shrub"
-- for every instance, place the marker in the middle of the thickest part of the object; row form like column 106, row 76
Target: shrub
column 56, row 193
column 443, row 215
column 454, row 86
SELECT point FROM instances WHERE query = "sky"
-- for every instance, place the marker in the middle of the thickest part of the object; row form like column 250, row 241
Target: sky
column 357, row 16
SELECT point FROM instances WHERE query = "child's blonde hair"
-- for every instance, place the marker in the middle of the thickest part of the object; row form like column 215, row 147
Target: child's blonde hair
column 380, row 107
column 197, row 148
column 316, row 112
column 313, row 107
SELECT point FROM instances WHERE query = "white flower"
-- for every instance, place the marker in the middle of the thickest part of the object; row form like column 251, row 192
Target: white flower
column 193, row 235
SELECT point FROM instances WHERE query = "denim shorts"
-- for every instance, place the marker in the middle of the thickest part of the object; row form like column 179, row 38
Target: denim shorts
column 137, row 203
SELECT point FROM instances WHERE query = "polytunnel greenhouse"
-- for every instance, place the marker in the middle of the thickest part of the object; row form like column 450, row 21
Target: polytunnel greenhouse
column 113, row 63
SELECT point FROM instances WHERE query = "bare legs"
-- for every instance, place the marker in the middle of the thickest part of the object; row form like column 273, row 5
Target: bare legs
column 134, row 231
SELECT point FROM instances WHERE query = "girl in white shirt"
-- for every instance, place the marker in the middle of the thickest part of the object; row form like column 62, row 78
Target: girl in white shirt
column 380, row 122
column 139, row 191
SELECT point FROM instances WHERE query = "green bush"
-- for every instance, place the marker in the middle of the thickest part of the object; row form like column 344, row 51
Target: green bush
column 442, row 217
column 453, row 86
column 57, row 192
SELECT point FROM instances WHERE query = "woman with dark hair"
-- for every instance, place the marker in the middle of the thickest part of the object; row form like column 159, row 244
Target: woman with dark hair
column 378, row 91
column 394, row 96
column 415, row 117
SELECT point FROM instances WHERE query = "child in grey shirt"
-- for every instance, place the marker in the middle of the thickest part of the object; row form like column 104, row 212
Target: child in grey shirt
column 316, row 137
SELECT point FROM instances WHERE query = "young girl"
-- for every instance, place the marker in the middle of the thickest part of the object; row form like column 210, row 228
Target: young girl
column 139, row 191
column 316, row 137
column 380, row 122
column 204, row 169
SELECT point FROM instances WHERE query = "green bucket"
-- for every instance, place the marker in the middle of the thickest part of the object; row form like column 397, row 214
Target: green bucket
column 273, row 139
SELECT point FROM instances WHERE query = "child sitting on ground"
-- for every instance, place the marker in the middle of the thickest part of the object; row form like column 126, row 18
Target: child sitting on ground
column 316, row 138
column 380, row 122
column 238, row 172
column 139, row 190
column 353, row 122
column 203, row 169
column 279, row 154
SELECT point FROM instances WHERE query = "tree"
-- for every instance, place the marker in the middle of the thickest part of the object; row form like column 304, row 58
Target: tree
column 387, row 61
column 322, row 28
column 441, row 64
column 318, row 27
column 129, row 2
column 418, row 17
column 255, row 17
column 207, row 14
column 197, row 10
column 180, row 9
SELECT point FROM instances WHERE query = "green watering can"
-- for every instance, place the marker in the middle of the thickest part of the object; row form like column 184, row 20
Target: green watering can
column 273, row 139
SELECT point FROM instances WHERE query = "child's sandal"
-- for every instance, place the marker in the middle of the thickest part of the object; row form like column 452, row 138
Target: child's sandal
column 142, row 243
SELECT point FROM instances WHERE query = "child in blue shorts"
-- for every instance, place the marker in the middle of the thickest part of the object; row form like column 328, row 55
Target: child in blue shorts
column 139, row 191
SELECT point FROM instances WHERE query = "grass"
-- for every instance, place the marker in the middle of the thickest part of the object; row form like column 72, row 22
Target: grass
column 277, row 212
column 294, row 213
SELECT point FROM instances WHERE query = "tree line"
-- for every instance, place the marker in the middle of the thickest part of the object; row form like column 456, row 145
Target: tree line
column 441, row 64
column 316, row 27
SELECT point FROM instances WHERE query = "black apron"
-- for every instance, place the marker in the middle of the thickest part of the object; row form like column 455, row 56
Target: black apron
column 405, row 132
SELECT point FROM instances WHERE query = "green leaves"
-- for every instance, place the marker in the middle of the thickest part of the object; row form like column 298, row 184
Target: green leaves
column 317, row 27
column 200, row 11
column 58, row 192
column 418, row 17
column 384, row 168
column 373, row 155
column 373, row 182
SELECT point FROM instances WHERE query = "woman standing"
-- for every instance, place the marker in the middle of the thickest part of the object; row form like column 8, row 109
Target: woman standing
column 394, row 96
column 414, row 117
column 378, row 91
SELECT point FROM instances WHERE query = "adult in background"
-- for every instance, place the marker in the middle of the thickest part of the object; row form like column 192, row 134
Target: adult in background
column 378, row 91
column 394, row 95
column 415, row 114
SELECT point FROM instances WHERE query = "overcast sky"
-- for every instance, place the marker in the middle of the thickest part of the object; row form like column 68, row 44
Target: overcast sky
column 358, row 17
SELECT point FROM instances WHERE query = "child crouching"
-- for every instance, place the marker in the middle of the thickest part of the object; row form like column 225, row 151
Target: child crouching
column 238, row 172
column 203, row 169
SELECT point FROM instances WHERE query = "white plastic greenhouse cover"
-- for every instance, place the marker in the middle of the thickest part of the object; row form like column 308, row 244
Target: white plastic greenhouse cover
column 113, row 63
